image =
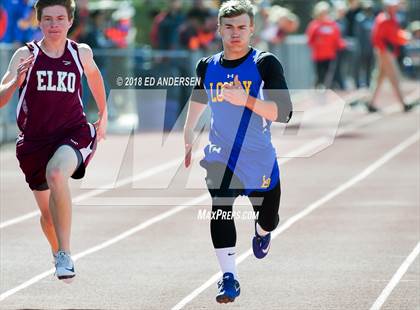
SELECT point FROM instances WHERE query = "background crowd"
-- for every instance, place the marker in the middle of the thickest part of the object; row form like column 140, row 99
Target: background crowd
column 191, row 25
column 166, row 38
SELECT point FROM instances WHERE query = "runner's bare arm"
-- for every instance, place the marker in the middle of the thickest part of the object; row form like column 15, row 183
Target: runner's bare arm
column 15, row 75
column 195, row 110
column 96, row 85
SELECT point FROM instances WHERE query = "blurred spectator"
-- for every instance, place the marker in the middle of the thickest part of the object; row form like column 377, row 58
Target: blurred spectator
column 14, row 10
column 412, row 59
column 3, row 22
column 154, row 32
column 354, row 8
column 285, row 21
column 200, row 28
column 19, row 19
column 277, row 23
column 261, row 25
column 121, row 33
column 324, row 38
column 402, row 14
column 80, row 22
column 200, row 10
column 363, row 33
column 415, row 31
column 387, row 38
column 28, row 24
column 188, row 31
column 206, row 35
column 340, row 9
column 167, row 25
column 402, row 18
column 95, row 31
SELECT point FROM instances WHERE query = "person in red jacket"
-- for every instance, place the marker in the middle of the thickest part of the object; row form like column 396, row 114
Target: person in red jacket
column 387, row 38
column 324, row 39
column 3, row 22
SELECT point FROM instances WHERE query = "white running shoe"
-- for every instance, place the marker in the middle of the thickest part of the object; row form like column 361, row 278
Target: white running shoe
column 64, row 267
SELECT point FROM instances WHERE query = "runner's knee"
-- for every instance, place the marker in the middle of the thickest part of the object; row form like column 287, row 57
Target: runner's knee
column 54, row 175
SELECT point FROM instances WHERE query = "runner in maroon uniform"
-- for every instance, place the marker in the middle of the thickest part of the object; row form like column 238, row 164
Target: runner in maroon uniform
column 56, row 141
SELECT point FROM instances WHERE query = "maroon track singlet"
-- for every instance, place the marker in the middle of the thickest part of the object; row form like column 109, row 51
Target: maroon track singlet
column 50, row 114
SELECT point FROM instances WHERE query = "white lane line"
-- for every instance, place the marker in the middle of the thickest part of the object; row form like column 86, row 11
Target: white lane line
column 128, row 180
column 304, row 149
column 107, row 243
column 77, row 200
column 155, row 170
column 158, row 169
column 19, row 219
column 135, row 229
column 141, row 176
column 130, row 232
column 396, row 278
column 161, row 217
column 309, row 209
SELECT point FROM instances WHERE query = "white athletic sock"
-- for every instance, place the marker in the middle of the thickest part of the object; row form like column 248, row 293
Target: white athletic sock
column 226, row 258
column 54, row 254
column 261, row 232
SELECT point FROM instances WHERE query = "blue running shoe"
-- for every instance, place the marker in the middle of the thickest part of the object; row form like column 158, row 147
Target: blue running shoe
column 229, row 289
column 261, row 245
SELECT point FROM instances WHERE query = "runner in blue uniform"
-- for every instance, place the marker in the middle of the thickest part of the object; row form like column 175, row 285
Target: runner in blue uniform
column 246, row 91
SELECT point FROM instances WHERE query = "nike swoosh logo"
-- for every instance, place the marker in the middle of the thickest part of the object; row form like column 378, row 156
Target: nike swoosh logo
column 68, row 269
column 230, row 254
column 265, row 251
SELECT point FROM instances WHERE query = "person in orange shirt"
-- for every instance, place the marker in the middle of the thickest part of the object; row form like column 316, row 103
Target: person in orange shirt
column 324, row 39
column 387, row 39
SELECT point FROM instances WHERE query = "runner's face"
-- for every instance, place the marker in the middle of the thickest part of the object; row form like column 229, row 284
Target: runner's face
column 236, row 32
column 55, row 22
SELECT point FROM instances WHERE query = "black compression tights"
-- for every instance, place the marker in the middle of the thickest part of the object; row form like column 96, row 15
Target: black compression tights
column 223, row 231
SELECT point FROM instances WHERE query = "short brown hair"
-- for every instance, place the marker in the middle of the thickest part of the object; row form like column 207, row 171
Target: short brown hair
column 233, row 8
column 70, row 6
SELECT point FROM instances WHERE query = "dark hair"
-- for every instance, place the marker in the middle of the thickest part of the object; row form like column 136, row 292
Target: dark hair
column 233, row 8
column 70, row 6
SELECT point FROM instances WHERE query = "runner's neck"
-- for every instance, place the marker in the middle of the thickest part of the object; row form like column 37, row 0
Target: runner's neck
column 53, row 49
column 228, row 55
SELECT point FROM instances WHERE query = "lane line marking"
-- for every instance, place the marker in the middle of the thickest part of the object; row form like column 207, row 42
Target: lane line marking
column 396, row 278
column 129, row 232
column 78, row 199
column 309, row 209
column 155, row 170
column 161, row 217
column 104, row 244
column 412, row 96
